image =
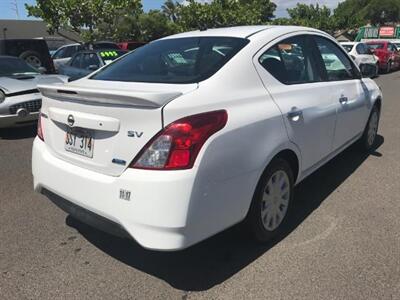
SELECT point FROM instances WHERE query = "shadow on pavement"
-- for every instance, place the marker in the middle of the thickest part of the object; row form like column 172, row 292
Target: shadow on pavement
column 215, row 260
column 18, row 132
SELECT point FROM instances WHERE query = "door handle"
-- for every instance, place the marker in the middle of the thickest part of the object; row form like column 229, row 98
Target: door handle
column 343, row 100
column 295, row 114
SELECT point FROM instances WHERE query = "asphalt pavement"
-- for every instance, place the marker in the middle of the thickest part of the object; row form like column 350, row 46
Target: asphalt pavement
column 343, row 240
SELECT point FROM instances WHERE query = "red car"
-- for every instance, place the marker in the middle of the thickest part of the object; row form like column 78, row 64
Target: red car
column 389, row 56
column 131, row 45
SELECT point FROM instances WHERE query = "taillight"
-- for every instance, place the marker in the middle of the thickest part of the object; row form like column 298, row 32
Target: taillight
column 40, row 128
column 177, row 145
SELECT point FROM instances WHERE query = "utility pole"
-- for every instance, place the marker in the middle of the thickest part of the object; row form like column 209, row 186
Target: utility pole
column 14, row 7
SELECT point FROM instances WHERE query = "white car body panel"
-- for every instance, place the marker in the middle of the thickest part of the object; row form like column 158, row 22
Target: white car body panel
column 171, row 210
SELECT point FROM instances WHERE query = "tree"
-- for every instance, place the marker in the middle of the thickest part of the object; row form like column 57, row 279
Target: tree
column 382, row 11
column 170, row 9
column 85, row 17
column 311, row 16
column 348, row 15
column 154, row 25
column 221, row 13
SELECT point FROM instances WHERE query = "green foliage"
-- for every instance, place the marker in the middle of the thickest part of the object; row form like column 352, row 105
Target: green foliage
column 154, row 25
column 222, row 13
column 311, row 16
column 347, row 14
column 170, row 8
column 84, row 17
column 125, row 20
column 382, row 11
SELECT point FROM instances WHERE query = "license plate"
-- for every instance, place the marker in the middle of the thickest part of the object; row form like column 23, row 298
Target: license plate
column 79, row 142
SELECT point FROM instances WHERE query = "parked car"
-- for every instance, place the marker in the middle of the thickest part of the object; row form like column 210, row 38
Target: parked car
column 64, row 53
column 171, row 149
column 362, row 55
column 34, row 51
column 389, row 56
column 85, row 62
column 20, row 100
column 131, row 45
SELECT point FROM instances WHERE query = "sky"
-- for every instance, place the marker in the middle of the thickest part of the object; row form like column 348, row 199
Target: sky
column 7, row 7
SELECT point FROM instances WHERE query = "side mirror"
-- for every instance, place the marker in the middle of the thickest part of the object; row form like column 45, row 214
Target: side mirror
column 42, row 70
column 93, row 67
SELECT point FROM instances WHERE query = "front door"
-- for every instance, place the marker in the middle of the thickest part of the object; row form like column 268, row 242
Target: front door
column 347, row 91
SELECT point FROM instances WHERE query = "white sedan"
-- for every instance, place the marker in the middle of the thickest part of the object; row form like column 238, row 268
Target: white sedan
column 169, row 146
column 20, row 100
column 362, row 55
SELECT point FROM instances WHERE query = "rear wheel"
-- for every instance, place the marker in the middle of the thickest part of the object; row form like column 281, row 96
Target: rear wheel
column 271, row 201
column 368, row 139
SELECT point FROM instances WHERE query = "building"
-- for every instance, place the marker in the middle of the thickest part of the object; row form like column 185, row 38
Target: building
column 33, row 29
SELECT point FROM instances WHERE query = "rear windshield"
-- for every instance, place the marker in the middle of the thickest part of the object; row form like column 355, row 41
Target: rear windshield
column 183, row 60
column 375, row 46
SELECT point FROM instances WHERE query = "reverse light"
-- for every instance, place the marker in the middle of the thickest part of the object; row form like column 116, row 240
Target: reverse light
column 40, row 132
column 177, row 145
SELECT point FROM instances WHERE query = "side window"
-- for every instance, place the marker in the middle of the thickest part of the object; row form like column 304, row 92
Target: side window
column 76, row 61
column 291, row 61
column 391, row 47
column 70, row 51
column 90, row 59
column 359, row 49
column 338, row 66
column 59, row 53
column 362, row 49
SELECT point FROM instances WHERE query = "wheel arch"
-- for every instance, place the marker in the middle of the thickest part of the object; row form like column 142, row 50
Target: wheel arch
column 378, row 102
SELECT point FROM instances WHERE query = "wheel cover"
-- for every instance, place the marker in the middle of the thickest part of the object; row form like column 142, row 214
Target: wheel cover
column 275, row 200
column 372, row 128
column 34, row 61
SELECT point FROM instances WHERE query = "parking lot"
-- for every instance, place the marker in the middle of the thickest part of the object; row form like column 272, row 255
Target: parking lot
column 343, row 240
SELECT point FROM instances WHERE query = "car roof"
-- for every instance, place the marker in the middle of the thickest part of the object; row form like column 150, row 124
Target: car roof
column 349, row 43
column 377, row 42
column 237, row 31
column 251, row 32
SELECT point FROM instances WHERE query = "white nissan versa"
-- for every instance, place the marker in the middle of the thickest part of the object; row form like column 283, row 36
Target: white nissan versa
column 198, row 131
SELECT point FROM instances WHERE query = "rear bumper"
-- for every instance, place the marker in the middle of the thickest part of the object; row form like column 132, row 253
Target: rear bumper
column 155, row 216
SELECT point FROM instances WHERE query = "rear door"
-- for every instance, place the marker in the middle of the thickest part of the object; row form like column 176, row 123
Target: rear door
column 291, row 74
column 346, row 90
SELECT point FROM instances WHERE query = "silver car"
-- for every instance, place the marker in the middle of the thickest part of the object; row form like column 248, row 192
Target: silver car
column 20, row 101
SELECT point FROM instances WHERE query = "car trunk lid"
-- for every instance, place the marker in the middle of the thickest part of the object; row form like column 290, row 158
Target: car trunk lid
column 103, row 125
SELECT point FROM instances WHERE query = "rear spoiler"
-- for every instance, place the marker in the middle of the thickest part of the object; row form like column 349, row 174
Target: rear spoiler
column 133, row 98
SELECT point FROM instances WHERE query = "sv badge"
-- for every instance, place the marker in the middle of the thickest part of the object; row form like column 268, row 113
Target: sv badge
column 135, row 134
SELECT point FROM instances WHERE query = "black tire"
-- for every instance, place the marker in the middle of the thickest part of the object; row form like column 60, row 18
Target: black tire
column 367, row 143
column 33, row 58
column 254, row 218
